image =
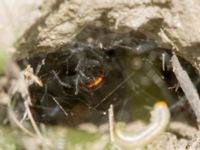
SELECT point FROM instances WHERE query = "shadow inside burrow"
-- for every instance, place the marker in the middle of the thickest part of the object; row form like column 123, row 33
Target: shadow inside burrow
column 102, row 67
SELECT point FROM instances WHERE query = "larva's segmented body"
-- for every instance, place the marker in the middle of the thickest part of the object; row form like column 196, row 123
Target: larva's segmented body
column 160, row 116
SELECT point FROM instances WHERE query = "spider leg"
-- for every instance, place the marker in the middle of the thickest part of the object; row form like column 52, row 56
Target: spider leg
column 45, row 93
column 77, row 84
column 60, row 81
column 59, row 107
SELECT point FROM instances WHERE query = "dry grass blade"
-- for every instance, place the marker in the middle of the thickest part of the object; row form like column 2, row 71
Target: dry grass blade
column 187, row 86
column 20, row 85
column 19, row 124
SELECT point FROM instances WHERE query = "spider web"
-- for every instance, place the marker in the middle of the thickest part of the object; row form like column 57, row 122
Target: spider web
column 135, row 81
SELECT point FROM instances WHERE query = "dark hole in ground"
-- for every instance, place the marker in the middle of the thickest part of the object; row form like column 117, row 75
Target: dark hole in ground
column 99, row 68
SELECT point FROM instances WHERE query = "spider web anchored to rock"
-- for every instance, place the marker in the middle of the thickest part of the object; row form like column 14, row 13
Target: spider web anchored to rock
column 101, row 67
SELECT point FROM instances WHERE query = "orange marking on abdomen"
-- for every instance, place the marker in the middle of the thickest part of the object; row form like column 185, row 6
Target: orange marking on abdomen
column 95, row 83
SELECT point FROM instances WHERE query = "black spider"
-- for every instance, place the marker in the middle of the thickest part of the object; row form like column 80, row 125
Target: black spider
column 72, row 78
column 82, row 75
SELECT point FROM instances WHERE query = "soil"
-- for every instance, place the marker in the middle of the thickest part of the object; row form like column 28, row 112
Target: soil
column 173, row 24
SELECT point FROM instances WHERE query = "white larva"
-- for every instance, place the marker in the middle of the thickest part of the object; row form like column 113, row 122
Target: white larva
column 160, row 117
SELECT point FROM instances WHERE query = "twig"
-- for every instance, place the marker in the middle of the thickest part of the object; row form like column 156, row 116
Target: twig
column 61, row 108
column 30, row 116
column 187, row 86
column 111, row 123
column 19, row 124
column 184, row 80
column 114, row 146
column 20, row 85
column 24, row 117
column 163, row 61
column 164, row 35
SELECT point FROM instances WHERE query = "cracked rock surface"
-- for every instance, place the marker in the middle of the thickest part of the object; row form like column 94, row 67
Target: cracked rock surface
column 62, row 21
